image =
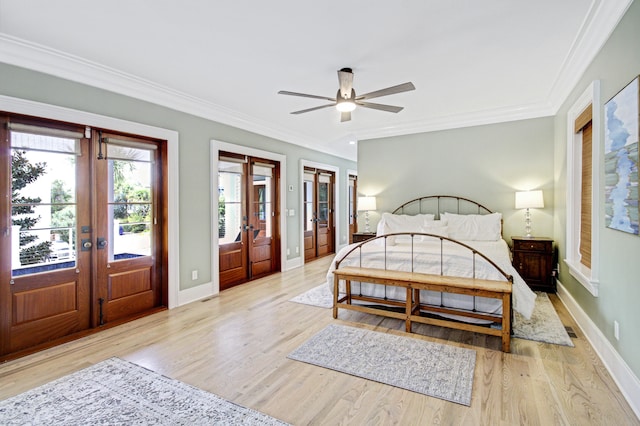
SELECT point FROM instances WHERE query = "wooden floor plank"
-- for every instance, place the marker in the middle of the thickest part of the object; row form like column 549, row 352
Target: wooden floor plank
column 235, row 345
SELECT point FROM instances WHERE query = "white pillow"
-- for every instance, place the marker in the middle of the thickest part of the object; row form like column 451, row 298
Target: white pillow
column 393, row 223
column 436, row 227
column 474, row 227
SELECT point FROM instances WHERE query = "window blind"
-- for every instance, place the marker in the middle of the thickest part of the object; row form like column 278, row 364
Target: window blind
column 583, row 124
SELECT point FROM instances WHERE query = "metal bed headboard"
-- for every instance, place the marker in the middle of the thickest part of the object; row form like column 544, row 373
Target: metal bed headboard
column 438, row 204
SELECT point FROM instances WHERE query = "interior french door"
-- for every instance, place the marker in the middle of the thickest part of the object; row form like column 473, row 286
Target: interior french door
column 353, row 207
column 81, row 242
column 318, row 189
column 248, row 231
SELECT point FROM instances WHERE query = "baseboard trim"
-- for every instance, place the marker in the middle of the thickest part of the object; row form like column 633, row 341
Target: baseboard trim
column 626, row 380
column 294, row 263
column 194, row 294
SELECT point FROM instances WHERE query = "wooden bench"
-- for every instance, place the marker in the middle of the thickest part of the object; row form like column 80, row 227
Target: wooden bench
column 414, row 282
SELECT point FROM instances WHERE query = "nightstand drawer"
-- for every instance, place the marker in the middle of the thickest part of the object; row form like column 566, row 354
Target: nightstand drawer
column 359, row 237
column 543, row 246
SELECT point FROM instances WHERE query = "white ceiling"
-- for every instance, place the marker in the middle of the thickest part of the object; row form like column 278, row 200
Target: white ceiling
column 472, row 62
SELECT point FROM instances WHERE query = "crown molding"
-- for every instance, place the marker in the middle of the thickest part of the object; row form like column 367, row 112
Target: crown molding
column 36, row 57
column 602, row 19
column 475, row 118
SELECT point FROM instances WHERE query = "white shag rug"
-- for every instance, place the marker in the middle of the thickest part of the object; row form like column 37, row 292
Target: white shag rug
column 117, row 392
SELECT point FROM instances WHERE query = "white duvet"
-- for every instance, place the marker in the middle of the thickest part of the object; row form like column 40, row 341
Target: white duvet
column 456, row 261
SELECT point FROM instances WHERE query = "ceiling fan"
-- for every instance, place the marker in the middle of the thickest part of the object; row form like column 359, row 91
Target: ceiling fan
column 346, row 99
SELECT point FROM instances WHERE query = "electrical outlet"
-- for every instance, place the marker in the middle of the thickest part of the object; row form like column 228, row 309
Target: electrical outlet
column 297, row 249
column 616, row 330
column 288, row 252
column 558, row 268
column 194, row 275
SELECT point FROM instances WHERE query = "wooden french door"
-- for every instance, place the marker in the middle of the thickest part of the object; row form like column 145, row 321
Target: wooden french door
column 318, row 213
column 81, row 242
column 353, row 206
column 128, row 237
column 248, row 218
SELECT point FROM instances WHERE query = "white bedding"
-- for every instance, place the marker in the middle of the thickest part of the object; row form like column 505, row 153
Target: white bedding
column 458, row 261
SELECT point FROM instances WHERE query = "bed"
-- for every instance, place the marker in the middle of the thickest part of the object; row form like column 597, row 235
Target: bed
column 443, row 236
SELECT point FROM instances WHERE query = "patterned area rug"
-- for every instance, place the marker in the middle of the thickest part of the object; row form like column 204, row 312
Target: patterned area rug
column 441, row 371
column 544, row 325
column 116, row 392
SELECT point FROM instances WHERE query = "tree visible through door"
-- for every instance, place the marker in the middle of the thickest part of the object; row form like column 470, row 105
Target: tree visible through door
column 82, row 244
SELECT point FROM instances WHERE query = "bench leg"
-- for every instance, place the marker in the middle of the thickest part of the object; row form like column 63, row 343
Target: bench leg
column 336, row 282
column 408, row 310
column 506, row 322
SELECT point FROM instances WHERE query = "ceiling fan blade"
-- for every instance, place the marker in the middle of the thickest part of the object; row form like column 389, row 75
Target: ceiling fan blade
column 305, row 95
column 404, row 87
column 345, row 77
column 345, row 116
column 381, row 107
column 302, row 111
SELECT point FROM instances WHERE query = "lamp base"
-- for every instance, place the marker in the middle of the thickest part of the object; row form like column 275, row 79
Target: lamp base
column 527, row 223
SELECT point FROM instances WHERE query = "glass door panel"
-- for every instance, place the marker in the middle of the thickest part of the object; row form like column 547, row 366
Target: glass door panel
column 43, row 209
column 262, row 177
column 130, row 205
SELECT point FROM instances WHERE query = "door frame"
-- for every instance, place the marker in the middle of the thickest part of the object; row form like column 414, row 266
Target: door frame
column 336, row 207
column 216, row 147
column 54, row 112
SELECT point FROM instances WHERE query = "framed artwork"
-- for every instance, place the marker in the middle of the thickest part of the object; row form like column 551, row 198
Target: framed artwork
column 621, row 159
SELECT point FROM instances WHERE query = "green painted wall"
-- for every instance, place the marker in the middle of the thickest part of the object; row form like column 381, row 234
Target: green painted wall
column 487, row 164
column 195, row 134
column 617, row 63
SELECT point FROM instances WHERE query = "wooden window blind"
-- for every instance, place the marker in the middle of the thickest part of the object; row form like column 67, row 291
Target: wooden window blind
column 583, row 124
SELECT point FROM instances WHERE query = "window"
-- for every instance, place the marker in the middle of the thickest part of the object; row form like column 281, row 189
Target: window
column 583, row 158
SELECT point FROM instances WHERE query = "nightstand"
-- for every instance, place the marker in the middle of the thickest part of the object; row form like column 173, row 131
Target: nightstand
column 533, row 259
column 359, row 237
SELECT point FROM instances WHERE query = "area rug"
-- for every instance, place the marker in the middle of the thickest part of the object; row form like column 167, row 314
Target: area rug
column 544, row 325
column 117, row 392
column 433, row 369
column 320, row 296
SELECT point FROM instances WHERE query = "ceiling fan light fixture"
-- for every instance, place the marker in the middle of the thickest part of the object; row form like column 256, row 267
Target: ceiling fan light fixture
column 345, row 105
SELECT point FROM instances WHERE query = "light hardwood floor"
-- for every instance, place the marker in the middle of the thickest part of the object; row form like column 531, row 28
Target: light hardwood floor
column 235, row 345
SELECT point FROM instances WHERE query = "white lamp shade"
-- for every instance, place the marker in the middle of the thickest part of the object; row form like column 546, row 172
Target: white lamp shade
column 366, row 203
column 529, row 199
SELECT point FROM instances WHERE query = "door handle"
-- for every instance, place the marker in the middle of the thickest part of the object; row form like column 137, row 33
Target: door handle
column 102, row 243
column 85, row 244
